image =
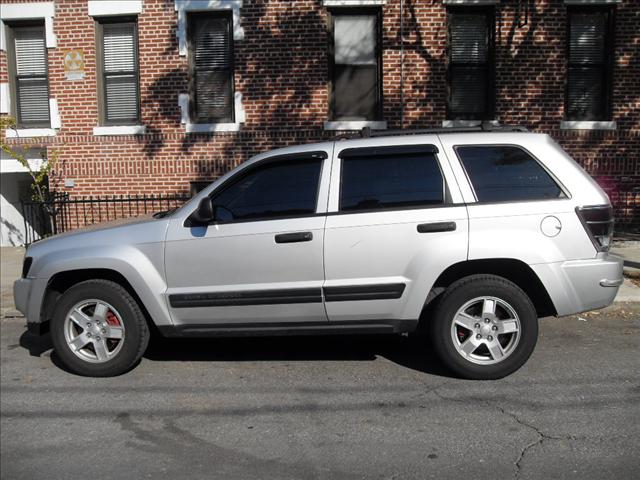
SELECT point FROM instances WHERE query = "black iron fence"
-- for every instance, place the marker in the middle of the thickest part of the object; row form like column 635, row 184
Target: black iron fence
column 61, row 213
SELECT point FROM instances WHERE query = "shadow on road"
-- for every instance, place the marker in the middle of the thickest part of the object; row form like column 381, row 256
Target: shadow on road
column 409, row 352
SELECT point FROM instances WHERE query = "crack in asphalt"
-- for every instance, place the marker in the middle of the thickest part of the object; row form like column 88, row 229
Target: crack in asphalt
column 542, row 436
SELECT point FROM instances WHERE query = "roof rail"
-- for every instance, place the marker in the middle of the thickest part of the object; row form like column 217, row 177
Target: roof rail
column 366, row 132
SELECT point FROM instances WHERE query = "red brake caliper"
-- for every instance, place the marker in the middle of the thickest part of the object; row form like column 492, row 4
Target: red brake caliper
column 112, row 319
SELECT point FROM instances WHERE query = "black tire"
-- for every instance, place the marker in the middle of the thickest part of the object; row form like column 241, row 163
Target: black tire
column 465, row 290
column 136, row 336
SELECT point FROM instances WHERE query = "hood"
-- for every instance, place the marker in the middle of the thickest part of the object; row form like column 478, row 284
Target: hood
column 132, row 230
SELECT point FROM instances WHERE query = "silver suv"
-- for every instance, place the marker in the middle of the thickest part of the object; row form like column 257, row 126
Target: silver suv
column 468, row 236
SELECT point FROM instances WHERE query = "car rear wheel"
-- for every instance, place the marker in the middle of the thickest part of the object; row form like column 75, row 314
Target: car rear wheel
column 485, row 327
column 98, row 329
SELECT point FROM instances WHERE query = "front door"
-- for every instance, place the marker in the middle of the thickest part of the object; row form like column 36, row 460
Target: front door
column 261, row 260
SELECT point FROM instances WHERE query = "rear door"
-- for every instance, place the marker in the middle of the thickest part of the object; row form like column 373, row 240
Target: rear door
column 396, row 220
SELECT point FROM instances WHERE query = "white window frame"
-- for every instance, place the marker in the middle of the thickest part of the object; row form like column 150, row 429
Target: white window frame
column 29, row 11
column 183, row 7
column 113, row 8
column 587, row 125
column 353, row 3
column 355, row 125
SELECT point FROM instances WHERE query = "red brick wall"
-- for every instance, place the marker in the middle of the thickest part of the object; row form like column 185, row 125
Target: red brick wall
column 281, row 70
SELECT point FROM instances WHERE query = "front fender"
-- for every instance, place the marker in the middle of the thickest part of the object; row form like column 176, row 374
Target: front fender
column 141, row 265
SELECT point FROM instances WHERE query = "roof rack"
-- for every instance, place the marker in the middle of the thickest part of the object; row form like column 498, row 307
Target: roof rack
column 366, row 132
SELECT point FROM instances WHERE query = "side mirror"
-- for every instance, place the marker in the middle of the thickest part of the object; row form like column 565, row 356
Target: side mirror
column 204, row 214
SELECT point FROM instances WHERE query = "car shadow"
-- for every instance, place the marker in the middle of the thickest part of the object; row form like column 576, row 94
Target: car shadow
column 410, row 352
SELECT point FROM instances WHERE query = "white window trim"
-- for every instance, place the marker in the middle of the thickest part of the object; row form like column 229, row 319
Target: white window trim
column 591, row 2
column 467, row 123
column 120, row 130
column 54, row 113
column 29, row 11
column 471, row 2
column 5, row 99
column 355, row 125
column 239, row 115
column 184, row 6
column 353, row 3
column 587, row 125
column 54, row 119
column 30, row 132
column 103, row 8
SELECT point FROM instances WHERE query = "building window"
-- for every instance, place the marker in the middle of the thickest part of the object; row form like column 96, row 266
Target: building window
column 29, row 75
column 589, row 63
column 119, row 90
column 354, row 59
column 471, row 64
column 211, row 89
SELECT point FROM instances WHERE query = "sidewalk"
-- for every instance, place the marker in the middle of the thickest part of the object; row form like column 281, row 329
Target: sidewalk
column 11, row 265
column 11, row 268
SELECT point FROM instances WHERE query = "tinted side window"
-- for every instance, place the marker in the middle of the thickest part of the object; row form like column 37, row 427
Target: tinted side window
column 277, row 189
column 502, row 173
column 370, row 183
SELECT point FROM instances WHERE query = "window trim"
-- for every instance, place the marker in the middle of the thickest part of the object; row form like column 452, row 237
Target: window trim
column 379, row 113
column 490, row 106
column 561, row 186
column 607, row 65
column 426, row 148
column 194, row 118
column 240, row 174
column 101, row 74
column 14, row 102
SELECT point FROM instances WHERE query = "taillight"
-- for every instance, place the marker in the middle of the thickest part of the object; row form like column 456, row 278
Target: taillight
column 598, row 222
column 26, row 265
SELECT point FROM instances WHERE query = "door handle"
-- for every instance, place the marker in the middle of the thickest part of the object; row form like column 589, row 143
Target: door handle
column 294, row 237
column 436, row 227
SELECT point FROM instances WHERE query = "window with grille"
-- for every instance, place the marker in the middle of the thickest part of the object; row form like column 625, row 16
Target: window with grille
column 471, row 65
column 589, row 63
column 354, row 58
column 28, row 65
column 119, row 72
column 211, row 67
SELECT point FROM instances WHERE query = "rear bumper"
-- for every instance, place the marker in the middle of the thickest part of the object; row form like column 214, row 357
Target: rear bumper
column 581, row 285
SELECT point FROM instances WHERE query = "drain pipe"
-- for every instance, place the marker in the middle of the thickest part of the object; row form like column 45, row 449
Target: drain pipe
column 401, row 64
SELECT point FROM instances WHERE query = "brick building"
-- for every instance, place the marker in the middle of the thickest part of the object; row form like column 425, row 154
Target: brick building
column 157, row 95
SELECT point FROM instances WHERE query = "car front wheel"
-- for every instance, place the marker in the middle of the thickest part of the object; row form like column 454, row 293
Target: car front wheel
column 485, row 327
column 98, row 329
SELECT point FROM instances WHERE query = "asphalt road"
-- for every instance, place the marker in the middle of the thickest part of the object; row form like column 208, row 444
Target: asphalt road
column 332, row 407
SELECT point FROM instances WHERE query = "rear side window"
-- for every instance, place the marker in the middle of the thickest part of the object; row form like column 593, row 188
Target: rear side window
column 390, row 181
column 277, row 189
column 506, row 173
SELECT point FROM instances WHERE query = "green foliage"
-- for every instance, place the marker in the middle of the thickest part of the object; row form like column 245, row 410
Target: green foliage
column 39, row 176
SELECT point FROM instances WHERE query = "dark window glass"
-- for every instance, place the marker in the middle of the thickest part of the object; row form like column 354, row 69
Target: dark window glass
column 589, row 57
column 390, row 182
column 211, row 67
column 277, row 189
column 355, row 65
column 502, row 173
column 30, row 75
column 120, row 95
column 471, row 64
